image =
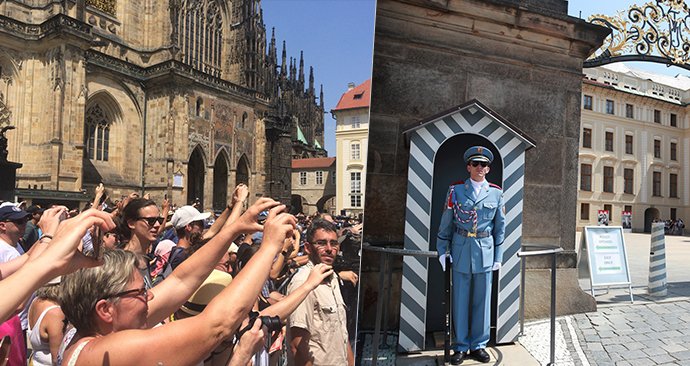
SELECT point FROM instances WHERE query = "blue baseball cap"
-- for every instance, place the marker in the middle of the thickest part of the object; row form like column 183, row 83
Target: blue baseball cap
column 478, row 153
column 12, row 212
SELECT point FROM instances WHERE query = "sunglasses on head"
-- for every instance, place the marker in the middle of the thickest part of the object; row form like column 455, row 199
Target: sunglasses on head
column 484, row 164
column 151, row 220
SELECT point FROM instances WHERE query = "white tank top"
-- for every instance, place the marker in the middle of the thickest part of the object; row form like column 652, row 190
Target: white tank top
column 41, row 351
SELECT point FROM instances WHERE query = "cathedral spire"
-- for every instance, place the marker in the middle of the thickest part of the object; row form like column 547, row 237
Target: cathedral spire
column 283, row 72
column 301, row 70
column 321, row 98
column 272, row 54
column 311, row 80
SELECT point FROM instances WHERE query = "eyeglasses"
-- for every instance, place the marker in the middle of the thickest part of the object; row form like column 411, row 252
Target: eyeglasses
column 476, row 163
column 322, row 243
column 143, row 292
column 151, row 220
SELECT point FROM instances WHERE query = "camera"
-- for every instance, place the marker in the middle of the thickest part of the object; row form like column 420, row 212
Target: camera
column 272, row 323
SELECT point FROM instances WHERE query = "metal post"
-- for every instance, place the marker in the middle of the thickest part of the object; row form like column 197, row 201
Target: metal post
column 553, row 310
column 522, row 296
column 385, row 301
column 379, row 309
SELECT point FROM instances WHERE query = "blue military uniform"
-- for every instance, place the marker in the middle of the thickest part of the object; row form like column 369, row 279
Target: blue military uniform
column 472, row 230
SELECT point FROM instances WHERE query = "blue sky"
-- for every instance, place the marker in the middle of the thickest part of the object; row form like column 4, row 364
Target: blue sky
column 337, row 37
column 585, row 8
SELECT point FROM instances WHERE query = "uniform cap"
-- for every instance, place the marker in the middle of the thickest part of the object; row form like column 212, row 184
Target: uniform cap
column 478, row 153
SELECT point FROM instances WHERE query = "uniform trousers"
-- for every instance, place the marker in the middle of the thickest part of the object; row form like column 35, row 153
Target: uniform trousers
column 471, row 310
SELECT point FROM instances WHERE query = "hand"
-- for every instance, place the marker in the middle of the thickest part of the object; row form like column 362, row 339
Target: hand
column 247, row 223
column 50, row 220
column 496, row 266
column 100, row 189
column 278, row 226
column 165, row 206
column 288, row 244
column 318, row 274
column 240, row 194
column 62, row 251
column 147, row 196
column 251, row 341
column 442, row 260
column 350, row 276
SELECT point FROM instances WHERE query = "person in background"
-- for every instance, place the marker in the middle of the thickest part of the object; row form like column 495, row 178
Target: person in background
column 32, row 233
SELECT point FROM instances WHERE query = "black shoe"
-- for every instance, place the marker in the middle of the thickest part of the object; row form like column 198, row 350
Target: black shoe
column 480, row 355
column 457, row 358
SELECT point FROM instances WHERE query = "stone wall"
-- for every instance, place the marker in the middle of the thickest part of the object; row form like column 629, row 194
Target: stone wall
column 525, row 65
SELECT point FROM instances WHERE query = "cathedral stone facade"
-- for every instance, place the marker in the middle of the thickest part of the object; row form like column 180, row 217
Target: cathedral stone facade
column 178, row 97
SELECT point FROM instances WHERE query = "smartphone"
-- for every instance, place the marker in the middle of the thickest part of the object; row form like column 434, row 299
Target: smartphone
column 97, row 240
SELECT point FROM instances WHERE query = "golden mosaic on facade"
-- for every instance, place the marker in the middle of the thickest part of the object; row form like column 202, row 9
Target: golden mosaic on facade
column 106, row 6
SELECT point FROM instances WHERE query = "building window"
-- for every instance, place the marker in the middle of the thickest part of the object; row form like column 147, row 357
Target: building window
column 355, row 122
column 199, row 106
column 303, row 178
column 244, row 120
column 584, row 211
column 673, row 213
column 656, row 184
column 674, row 151
column 674, row 120
column 608, row 209
column 673, row 185
column 657, row 116
column 587, row 137
column 609, row 106
column 629, row 111
column 333, row 180
column 355, row 189
column 628, row 144
column 319, row 177
column 354, row 151
column 97, row 133
column 609, row 141
column 608, row 179
column 627, row 208
column 657, row 149
column 200, row 35
column 587, row 102
column 628, row 181
column 586, row 177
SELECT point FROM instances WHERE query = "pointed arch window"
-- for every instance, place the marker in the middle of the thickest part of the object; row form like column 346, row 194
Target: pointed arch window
column 97, row 133
column 201, row 35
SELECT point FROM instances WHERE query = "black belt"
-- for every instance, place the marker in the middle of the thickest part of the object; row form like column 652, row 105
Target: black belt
column 467, row 234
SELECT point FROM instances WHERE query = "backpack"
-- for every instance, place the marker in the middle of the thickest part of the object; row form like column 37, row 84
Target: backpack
column 168, row 268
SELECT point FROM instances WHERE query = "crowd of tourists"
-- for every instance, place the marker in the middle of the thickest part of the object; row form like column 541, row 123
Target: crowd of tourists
column 134, row 282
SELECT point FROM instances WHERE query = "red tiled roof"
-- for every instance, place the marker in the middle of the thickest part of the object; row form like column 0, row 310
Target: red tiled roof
column 358, row 97
column 312, row 163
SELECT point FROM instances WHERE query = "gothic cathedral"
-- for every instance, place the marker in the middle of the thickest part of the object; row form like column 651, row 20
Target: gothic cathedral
column 178, row 97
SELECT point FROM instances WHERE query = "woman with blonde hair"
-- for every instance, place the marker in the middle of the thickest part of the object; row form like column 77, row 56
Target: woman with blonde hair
column 112, row 310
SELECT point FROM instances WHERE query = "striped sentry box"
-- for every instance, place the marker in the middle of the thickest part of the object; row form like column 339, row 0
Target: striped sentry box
column 425, row 140
column 657, row 261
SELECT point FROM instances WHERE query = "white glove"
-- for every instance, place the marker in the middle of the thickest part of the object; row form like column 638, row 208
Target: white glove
column 496, row 267
column 442, row 260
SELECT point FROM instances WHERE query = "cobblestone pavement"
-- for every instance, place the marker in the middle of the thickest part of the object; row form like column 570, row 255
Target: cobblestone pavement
column 621, row 335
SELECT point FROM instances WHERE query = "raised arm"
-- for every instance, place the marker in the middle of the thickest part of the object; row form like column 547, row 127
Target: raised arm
column 232, row 212
column 218, row 321
column 61, row 257
column 188, row 276
column 289, row 303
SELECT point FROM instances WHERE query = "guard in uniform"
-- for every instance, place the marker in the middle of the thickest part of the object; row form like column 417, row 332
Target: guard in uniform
column 471, row 232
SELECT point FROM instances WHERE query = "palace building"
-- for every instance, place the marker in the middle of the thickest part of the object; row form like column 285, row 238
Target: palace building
column 182, row 97
column 634, row 146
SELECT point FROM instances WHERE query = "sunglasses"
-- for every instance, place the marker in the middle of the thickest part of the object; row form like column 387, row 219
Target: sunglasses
column 482, row 163
column 151, row 220
column 143, row 292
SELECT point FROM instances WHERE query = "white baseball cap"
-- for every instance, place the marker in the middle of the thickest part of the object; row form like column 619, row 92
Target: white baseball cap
column 185, row 215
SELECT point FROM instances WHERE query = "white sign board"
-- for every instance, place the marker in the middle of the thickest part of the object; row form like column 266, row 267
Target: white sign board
column 603, row 248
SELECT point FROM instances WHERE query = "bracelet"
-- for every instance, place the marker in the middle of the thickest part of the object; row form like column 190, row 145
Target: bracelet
column 45, row 236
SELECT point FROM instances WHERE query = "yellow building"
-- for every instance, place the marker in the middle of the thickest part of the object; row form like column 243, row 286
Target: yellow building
column 351, row 141
column 634, row 153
